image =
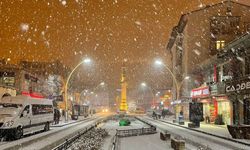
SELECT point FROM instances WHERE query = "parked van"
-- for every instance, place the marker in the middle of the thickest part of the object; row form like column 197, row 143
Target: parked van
column 23, row 115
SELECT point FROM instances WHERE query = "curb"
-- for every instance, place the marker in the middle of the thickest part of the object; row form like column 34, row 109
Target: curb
column 69, row 123
column 222, row 137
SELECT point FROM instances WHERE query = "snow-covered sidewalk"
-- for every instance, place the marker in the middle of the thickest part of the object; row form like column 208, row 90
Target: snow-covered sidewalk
column 217, row 130
column 62, row 121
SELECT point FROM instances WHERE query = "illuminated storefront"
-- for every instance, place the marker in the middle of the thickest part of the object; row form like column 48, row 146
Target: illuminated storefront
column 213, row 104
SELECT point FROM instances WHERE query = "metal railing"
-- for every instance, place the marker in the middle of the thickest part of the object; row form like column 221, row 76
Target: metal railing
column 115, row 143
column 135, row 132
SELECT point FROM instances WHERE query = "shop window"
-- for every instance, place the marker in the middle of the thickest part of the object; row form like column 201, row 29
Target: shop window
column 220, row 45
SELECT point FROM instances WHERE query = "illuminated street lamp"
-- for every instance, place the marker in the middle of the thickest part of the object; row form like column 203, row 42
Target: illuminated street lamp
column 160, row 63
column 143, row 84
column 177, row 85
column 84, row 61
column 85, row 92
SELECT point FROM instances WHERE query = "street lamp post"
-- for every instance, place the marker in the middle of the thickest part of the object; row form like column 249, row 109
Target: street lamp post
column 160, row 63
column 86, row 61
column 143, row 84
column 177, row 85
column 180, row 85
column 92, row 91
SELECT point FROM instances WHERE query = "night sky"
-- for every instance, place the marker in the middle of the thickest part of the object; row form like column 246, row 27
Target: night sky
column 107, row 31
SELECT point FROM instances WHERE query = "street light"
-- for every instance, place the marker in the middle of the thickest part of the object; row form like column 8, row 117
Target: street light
column 160, row 63
column 143, row 84
column 84, row 61
column 94, row 89
column 177, row 85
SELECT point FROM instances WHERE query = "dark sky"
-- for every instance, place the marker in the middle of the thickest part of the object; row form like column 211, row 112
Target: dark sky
column 108, row 31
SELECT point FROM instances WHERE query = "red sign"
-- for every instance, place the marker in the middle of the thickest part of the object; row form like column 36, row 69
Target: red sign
column 200, row 92
column 34, row 95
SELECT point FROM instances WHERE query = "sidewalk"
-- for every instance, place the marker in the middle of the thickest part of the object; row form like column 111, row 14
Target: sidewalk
column 70, row 121
column 210, row 129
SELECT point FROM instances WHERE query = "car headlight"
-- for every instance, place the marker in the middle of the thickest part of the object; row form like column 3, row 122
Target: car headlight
column 8, row 123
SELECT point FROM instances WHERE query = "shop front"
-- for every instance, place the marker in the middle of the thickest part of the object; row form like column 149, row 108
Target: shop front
column 202, row 95
column 239, row 93
column 217, row 108
column 182, row 106
column 223, row 105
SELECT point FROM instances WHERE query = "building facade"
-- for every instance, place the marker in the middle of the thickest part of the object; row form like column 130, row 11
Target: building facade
column 194, row 43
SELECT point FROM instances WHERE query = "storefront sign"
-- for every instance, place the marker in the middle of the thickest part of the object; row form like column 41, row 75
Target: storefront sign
column 200, row 92
column 238, row 86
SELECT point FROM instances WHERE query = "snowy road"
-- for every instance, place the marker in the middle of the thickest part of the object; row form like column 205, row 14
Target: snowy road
column 197, row 139
column 50, row 139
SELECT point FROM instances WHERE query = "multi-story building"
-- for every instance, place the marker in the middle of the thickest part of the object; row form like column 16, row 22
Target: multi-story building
column 27, row 77
column 194, row 43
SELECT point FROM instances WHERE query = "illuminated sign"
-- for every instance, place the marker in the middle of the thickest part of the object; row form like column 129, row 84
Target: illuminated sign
column 242, row 85
column 200, row 92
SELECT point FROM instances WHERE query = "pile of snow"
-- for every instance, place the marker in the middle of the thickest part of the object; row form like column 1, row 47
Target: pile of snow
column 92, row 140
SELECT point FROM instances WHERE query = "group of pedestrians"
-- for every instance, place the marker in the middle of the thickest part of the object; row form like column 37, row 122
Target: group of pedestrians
column 161, row 114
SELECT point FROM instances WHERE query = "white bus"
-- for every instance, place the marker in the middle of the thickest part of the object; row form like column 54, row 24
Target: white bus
column 22, row 115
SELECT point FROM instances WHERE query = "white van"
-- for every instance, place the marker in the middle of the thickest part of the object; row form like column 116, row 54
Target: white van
column 23, row 115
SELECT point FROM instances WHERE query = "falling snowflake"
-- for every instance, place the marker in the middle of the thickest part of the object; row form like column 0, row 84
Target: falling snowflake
column 29, row 40
column 197, row 52
column 64, row 2
column 198, row 44
column 138, row 23
column 24, row 27
column 240, row 59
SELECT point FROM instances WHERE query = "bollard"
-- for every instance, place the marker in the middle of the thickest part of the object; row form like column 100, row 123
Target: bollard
column 181, row 123
column 167, row 136
column 191, row 125
column 177, row 144
column 162, row 136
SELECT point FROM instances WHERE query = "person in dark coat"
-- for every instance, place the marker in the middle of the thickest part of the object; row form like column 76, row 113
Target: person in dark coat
column 57, row 116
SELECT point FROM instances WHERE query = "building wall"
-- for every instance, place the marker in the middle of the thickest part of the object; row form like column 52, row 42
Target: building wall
column 197, row 33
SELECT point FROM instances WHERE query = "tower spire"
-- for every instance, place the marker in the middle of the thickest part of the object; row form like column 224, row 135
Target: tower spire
column 123, row 104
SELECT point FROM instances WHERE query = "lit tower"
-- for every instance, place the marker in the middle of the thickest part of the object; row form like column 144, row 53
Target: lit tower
column 123, row 104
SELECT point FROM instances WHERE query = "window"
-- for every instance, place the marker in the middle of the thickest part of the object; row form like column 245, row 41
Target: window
column 7, row 78
column 27, row 109
column 38, row 109
column 220, row 45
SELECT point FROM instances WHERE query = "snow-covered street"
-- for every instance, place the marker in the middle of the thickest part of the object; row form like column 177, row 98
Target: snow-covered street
column 50, row 139
column 197, row 139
